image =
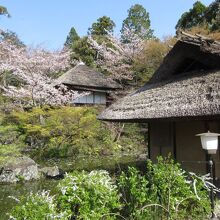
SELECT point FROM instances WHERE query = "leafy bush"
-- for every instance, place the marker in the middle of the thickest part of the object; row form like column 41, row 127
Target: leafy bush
column 10, row 145
column 63, row 131
column 66, row 131
column 136, row 144
column 35, row 207
column 89, row 196
column 8, row 152
column 9, row 134
column 164, row 192
column 82, row 195
column 135, row 194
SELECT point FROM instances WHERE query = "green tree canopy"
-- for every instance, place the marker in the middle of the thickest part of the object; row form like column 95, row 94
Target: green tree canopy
column 72, row 37
column 4, row 11
column 138, row 21
column 195, row 16
column 82, row 51
column 201, row 16
column 103, row 26
column 212, row 15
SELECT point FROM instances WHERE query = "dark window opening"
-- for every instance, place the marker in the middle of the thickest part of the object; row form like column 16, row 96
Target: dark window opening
column 189, row 65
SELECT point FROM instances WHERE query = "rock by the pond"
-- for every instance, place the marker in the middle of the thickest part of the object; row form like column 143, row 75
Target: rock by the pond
column 52, row 172
column 142, row 157
column 18, row 168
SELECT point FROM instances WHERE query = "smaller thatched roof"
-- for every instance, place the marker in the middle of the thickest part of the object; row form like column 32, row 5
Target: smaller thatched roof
column 186, row 85
column 83, row 77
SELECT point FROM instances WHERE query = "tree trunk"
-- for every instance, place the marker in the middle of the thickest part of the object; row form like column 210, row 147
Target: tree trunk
column 118, row 135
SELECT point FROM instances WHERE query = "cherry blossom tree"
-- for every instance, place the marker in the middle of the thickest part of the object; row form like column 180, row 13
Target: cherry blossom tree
column 34, row 66
column 116, row 56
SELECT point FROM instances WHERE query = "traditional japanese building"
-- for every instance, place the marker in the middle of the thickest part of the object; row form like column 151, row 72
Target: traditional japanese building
column 82, row 78
column 181, row 100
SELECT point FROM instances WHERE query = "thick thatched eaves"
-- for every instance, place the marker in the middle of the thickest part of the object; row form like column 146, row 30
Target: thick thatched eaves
column 180, row 97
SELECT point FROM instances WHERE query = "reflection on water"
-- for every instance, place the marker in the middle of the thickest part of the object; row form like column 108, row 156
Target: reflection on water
column 113, row 164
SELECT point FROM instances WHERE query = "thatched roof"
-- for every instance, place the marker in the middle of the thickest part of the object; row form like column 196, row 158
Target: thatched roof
column 187, row 85
column 83, row 77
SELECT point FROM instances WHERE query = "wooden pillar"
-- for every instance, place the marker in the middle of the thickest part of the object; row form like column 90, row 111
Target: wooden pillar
column 148, row 141
column 173, row 139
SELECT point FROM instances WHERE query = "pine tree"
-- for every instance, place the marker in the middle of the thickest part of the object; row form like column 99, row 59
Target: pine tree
column 137, row 21
column 72, row 37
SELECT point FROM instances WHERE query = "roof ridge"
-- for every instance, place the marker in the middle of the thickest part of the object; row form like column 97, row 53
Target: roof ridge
column 196, row 38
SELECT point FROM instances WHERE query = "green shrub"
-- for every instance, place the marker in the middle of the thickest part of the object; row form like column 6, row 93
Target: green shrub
column 37, row 206
column 136, row 144
column 64, row 131
column 176, row 190
column 9, row 134
column 89, row 196
column 67, row 131
column 8, row 152
column 135, row 194
column 164, row 192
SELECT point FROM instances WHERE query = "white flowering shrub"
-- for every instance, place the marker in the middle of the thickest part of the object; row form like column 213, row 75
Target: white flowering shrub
column 165, row 191
column 37, row 206
column 89, row 196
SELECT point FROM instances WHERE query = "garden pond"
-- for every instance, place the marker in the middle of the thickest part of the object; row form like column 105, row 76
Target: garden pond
column 9, row 193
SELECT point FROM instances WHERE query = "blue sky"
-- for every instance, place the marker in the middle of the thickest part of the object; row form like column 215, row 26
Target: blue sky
column 48, row 22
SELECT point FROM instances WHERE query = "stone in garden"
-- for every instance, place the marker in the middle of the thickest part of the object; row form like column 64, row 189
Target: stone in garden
column 18, row 168
column 52, row 172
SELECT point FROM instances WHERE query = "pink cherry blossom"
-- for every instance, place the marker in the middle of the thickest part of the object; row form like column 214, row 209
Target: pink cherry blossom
column 118, row 58
column 35, row 66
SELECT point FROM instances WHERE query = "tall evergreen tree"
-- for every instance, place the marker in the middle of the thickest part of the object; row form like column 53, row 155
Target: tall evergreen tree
column 82, row 51
column 80, row 48
column 72, row 37
column 137, row 21
column 103, row 26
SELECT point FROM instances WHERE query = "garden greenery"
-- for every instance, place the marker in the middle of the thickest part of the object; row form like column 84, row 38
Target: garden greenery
column 91, row 196
column 35, row 207
column 65, row 131
column 8, row 153
column 164, row 191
